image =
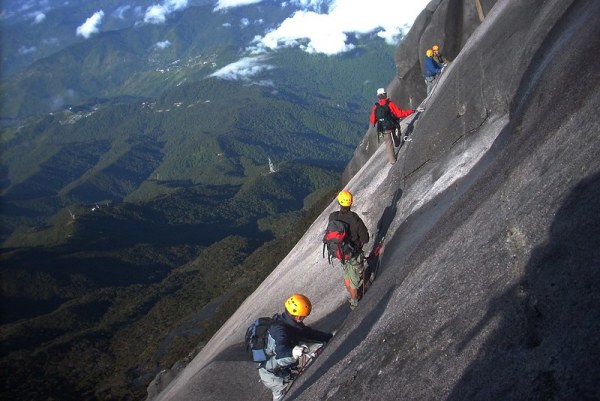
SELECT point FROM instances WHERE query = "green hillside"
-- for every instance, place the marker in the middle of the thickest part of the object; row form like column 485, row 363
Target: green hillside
column 127, row 312
column 129, row 62
column 166, row 193
column 129, row 215
column 211, row 132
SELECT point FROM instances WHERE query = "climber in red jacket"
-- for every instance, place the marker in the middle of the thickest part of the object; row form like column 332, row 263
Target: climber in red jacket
column 385, row 116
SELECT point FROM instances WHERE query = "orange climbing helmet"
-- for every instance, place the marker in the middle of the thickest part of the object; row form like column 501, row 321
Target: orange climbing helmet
column 298, row 305
column 435, row 48
column 344, row 198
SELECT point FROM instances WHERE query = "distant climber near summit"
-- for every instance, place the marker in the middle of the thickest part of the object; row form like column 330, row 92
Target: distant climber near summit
column 439, row 57
column 432, row 70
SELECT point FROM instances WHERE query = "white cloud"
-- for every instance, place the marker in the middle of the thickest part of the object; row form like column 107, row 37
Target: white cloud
column 223, row 4
column 39, row 17
column 243, row 69
column 51, row 41
column 322, row 37
column 23, row 50
column 120, row 12
column 30, row 9
column 163, row 45
column 313, row 4
column 157, row 14
column 4, row 15
column 328, row 33
column 90, row 26
column 28, row 5
column 138, row 11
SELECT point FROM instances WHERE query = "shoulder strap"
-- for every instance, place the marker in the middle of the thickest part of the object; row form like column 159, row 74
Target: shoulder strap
column 387, row 103
column 275, row 321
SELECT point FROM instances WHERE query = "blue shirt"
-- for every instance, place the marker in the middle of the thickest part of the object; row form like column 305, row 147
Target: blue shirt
column 431, row 67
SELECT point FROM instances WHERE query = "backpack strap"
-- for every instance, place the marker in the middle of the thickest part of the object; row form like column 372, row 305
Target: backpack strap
column 395, row 120
column 275, row 321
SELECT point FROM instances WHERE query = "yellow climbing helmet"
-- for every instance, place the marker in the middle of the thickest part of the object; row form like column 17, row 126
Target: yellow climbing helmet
column 435, row 48
column 345, row 198
column 429, row 53
column 298, row 305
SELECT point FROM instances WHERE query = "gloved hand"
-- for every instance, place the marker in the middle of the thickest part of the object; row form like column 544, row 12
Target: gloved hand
column 420, row 109
column 293, row 374
column 298, row 351
column 287, row 374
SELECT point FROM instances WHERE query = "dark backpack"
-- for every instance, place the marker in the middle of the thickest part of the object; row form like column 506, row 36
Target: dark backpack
column 384, row 117
column 337, row 241
column 256, row 339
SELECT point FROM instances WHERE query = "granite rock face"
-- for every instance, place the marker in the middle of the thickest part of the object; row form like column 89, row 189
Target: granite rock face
column 489, row 283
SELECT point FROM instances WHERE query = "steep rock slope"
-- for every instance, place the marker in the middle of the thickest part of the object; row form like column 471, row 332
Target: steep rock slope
column 489, row 281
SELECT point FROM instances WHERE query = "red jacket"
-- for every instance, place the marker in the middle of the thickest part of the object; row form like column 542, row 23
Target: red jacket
column 396, row 111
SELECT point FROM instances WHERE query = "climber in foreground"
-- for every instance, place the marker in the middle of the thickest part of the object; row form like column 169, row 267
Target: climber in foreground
column 385, row 116
column 283, row 344
column 356, row 235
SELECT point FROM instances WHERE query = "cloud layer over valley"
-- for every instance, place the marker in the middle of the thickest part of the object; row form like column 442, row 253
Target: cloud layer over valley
column 325, row 27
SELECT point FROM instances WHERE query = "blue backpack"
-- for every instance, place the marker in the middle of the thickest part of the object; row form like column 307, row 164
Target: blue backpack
column 256, row 339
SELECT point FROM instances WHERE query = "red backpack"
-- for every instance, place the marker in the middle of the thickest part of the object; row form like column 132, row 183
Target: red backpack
column 337, row 241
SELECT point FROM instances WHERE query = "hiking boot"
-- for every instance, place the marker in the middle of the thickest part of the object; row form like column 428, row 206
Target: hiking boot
column 353, row 304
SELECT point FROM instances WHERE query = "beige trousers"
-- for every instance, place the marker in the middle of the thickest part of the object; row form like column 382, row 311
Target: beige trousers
column 389, row 146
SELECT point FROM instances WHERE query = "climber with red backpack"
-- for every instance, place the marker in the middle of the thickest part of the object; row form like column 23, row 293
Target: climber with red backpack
column 385, row 116
column 344, row 238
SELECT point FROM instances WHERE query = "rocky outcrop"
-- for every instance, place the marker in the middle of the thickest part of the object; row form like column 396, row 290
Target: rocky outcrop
column 490, row 273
